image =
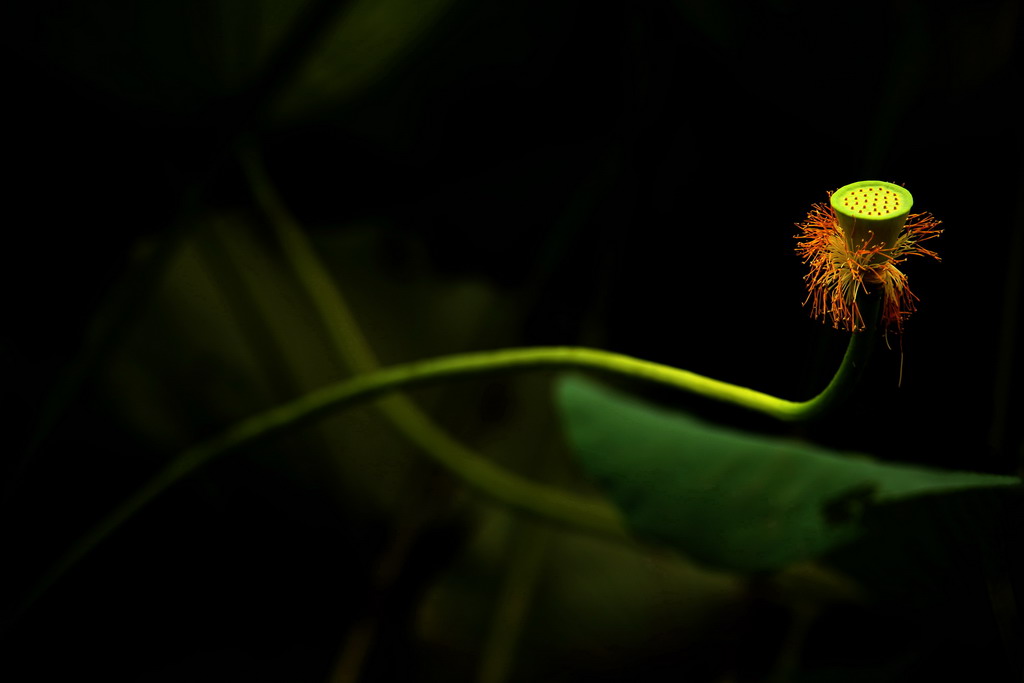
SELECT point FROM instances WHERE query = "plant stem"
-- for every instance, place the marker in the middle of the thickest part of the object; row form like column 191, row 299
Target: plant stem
column 522, row 494
column 858, row 350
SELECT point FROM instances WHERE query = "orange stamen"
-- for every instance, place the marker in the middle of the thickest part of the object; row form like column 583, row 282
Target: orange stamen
column 837, row 273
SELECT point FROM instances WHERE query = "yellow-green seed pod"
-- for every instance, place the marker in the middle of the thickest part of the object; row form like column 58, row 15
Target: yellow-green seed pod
column 871, row 212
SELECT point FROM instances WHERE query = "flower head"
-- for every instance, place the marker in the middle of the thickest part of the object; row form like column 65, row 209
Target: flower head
column 855, row 244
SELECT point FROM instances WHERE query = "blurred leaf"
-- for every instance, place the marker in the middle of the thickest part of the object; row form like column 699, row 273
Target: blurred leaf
column 729, row 499
column 370, row 37
column 596, row 604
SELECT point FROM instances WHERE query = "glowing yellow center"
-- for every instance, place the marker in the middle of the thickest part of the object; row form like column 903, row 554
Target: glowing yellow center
column 874, row 201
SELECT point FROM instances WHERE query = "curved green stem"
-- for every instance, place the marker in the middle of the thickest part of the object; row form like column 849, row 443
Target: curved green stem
column 854, row 361
column 501, row 485
column 518, row 492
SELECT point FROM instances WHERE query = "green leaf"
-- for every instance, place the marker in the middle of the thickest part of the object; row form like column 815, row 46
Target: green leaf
column 729, row 499
column 369, row 39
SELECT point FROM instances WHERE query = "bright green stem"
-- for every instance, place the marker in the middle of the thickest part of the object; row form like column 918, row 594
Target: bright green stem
column 544, row 501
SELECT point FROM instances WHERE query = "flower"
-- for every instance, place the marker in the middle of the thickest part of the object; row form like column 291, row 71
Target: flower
column 855, row 244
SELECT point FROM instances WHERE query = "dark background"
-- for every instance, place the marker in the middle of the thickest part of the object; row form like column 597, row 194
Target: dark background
column 477, row 175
